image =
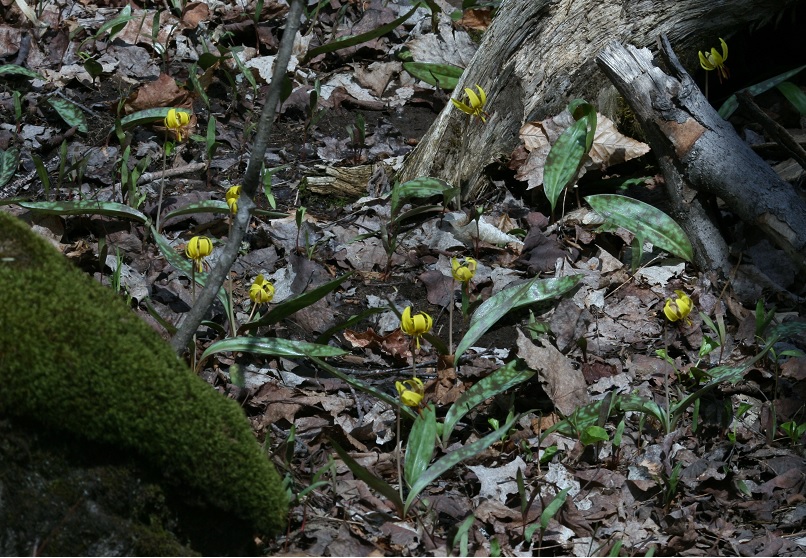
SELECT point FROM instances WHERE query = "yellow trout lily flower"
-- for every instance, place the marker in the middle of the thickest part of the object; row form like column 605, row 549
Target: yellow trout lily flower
column 177, row 120
column 679, row 308
column 715, row 61
column 463, row 271
column 475, row 103
column 411, row 392
column 232, row 196
column 199, row 248
column 415, row 325
column 261, row 290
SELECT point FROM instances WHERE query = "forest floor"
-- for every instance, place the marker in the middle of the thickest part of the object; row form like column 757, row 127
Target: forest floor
column 630, row 434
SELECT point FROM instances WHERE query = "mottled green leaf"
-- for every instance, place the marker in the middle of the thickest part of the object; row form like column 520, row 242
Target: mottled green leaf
column 216, row 206
column 730, row 106
column 421, row 445
column 449, row 460
column 498, row 305
column 444, row 76
column 88, row 207
column 422, row 187
column 794, row 95
column 116, row 24
column 497, row 382
column 272, row 346
column 9, row 159
column 562, row 162
column 554, row 506
column 14, row 69
column 593, row 435
column 354, row 40
column 70, row 113
column 646, row 222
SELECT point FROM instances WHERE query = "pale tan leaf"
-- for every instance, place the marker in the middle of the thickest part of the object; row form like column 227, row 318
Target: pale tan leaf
column 611, row 147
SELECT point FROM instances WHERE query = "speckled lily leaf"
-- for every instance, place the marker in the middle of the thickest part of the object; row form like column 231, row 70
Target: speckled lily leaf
column 8, row 164
column 444, row 76
column 87, row 207
column 497, row 382
column 497, row 306
column 70, row 113
column 646, row 222
column 20, row 71
column 421, row 445
column 272, row 346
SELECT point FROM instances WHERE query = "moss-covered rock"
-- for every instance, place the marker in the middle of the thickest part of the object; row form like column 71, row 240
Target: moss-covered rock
column 73, row 357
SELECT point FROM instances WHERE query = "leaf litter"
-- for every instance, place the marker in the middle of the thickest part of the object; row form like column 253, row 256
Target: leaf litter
column 739, row 487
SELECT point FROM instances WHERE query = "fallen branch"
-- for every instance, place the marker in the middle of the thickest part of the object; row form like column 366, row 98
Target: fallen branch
column 697, row 148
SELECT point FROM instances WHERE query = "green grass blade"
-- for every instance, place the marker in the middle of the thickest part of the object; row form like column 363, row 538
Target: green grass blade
column 497, row 382
column 444, row 76
column 645, row 222
column 272, row 346
column 87, row 207
column 498, row 305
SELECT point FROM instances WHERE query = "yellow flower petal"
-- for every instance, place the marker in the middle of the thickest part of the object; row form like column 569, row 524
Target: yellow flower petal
column 463, row 271
column 261, row 291
column 199, row 248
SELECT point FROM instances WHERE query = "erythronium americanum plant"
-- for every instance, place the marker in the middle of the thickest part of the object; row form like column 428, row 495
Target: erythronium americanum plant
column 462, row 271
column 261, row 292
column 713, row 60
column 177, row 121
column 197, row 249
column 475, row 103
column 232, row 195
column 678, row 308
column 474, row 108
column 415, row 325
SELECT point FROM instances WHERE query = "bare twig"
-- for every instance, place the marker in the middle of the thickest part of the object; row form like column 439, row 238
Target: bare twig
column 249, row 187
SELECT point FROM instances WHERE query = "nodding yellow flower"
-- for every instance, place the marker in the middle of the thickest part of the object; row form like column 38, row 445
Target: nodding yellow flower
column 463, row 271
column 232, row 196
column 415, row 325
column 411, row 392
column 199, row 248
column 475, row 103
column 177, row 120
column 679, row 308
column 261, row 290
column 715, row 61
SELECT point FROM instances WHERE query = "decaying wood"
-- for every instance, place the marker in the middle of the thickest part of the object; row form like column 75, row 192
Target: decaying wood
column 697, row 147
column 539, row 54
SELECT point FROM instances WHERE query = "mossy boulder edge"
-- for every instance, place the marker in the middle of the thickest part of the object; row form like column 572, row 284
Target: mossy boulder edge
column 74, row 357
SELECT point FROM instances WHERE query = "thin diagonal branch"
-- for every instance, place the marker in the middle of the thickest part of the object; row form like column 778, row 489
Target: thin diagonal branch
column 248, row 188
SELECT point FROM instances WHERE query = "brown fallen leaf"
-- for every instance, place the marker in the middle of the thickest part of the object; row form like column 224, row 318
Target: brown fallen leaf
column 564, row 384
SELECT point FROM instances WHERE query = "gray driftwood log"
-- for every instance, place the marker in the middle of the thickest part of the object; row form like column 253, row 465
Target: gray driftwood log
column 539, row 54
column 696, row 147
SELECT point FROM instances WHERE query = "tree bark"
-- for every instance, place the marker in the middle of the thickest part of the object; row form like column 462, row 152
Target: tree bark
column 539, row 54
column 696, row 146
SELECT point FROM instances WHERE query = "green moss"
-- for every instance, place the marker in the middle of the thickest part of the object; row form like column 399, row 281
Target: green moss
column 73, row 357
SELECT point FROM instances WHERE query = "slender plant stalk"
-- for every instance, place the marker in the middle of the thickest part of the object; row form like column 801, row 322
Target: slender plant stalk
column 249, row 188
